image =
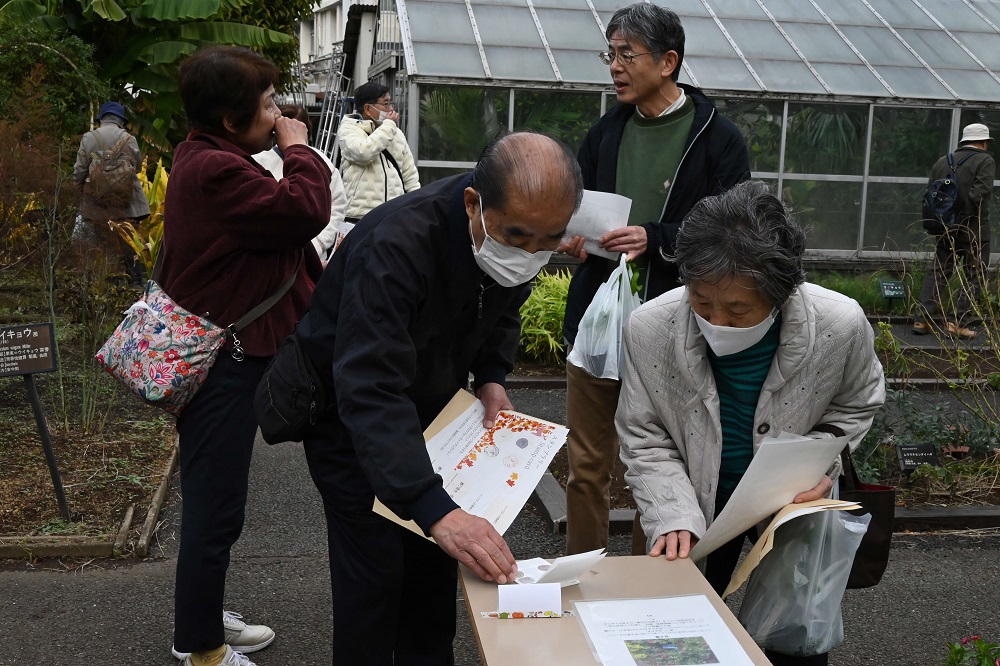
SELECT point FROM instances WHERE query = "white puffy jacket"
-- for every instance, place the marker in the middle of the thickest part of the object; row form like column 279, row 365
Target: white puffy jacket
column 825, row 374
column 369, row 177
column 325, row 240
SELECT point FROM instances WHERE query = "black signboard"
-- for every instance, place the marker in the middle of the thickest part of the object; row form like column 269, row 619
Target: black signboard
column 892, row 289
column 26, row 349
column 912, row 456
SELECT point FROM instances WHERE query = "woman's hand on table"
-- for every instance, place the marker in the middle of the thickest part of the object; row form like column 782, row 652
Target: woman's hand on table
column 673, row 545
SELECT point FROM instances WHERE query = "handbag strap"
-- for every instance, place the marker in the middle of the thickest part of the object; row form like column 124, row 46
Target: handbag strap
column 263, row 307
column 851, row 479
column 266, row 305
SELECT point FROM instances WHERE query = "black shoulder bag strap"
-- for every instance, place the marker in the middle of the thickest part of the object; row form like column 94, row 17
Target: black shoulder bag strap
column 395, row 165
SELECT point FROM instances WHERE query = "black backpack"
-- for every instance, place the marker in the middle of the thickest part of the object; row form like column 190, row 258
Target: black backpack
column 942, row 208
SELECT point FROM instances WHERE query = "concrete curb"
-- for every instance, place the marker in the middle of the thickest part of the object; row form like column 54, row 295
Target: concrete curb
column 33, row 547
column 550, row 498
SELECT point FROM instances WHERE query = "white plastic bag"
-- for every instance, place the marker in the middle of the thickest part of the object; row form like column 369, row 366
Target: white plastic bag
column 792, row 602
column 598, row 346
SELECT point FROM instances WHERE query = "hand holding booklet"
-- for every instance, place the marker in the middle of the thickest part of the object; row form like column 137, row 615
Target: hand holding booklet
column 489, row 473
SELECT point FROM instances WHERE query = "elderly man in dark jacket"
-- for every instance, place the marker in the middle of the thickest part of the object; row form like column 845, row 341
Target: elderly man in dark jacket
column 424, row 292
column 665, row 147
column 969, row 241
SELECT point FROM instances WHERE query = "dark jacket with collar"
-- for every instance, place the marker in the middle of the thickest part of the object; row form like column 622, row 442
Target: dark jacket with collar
column 400, row 318
column 975, row 186
column 715, row 158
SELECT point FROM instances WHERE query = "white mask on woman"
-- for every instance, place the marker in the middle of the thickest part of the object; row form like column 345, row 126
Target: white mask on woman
column 509, row 266
column 726, row 340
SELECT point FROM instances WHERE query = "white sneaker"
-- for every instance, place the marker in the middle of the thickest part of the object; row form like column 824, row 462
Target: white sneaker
column 242, row 636
column 231, row 659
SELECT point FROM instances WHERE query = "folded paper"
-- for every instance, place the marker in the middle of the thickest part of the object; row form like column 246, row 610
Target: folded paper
column 530, row 601
column 565, row 571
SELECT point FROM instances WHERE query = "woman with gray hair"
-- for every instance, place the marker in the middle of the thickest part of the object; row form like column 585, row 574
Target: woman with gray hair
column 746, row 349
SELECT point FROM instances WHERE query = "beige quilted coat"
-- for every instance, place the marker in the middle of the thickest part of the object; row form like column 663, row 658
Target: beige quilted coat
column 369, row 178
column 825, row 372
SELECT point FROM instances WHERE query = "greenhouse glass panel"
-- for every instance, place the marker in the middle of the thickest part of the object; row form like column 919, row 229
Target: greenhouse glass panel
column 956, row 16
column 990, row 118
column 879, row 46
column 826, row 138
column 702, row 37
column 571, row 30
column 904, row 14
column 830, row 212
column 760, row 123
column 457, row 122
column 989, row 9
column 979, row 86
column 684, row 8
column 850, row 79
column 984, row 46
column 907, row 141
column 429, row 174
column 566, row 116
column 582, row 67
column 722, row 73
column 793, row 10
column 519, row 64
column 455, row 60
column 507, row 26
column 914, row 82
column 760, row 39
column 938, row 49
column 892, row 220
column 786, row 76
column 748, row 9
column 820, row 43
column 440, row 21
column 848, row 12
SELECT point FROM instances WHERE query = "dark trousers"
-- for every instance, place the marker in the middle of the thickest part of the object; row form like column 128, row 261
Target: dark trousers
column 394, row 593
column 217, row 431
column 974, row 253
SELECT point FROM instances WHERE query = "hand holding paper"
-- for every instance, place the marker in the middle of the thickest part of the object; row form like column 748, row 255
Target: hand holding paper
column 475, row 543
column 599, row 213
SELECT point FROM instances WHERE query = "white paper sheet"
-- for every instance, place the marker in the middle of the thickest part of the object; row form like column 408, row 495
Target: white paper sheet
column 489, row 473
column 599, row 213
column 543, row 600
column 783, row 467
column 646, row 632
column 565, row 571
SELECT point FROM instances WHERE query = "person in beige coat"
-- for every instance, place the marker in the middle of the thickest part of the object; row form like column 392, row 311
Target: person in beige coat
column 376, row 161
column 745, row 350
column 98, row 213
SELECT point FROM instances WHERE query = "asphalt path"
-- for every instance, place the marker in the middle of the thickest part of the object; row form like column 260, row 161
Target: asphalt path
column 939, row 587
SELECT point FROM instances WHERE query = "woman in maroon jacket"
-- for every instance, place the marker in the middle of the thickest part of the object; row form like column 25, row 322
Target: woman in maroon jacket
column 233, row 235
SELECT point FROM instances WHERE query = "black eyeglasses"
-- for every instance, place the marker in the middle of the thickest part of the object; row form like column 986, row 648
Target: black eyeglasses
column 607, row 57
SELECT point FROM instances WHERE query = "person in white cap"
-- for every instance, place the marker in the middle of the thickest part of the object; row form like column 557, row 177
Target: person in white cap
column 968, row 241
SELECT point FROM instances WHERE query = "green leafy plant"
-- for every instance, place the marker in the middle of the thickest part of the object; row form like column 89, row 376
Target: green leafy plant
column 972, row 651
column 542, row 318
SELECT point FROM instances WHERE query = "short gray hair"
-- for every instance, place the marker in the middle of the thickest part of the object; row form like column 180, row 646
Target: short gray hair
column 657, row 27
column 743, row 232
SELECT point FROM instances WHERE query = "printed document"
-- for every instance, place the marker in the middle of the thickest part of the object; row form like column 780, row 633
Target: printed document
column 671, row 631
column 599, row 213
column 783, row 467
column 489, row 473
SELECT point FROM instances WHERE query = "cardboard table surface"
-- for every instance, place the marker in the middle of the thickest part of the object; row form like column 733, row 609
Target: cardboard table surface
column 546, row 642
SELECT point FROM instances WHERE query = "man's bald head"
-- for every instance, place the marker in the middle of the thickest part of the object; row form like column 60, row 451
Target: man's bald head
column 533, row 168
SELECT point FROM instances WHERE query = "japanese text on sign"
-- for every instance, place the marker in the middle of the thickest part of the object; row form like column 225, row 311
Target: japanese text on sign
column 26, row 349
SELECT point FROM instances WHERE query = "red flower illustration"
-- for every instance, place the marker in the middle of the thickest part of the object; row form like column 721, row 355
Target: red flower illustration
column 160, row 373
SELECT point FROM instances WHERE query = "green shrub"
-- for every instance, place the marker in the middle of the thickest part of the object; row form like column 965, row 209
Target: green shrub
column 867, row 291
column 542, row 318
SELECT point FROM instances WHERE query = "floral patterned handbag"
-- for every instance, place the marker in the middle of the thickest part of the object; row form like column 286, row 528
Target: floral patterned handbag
column 163, row 353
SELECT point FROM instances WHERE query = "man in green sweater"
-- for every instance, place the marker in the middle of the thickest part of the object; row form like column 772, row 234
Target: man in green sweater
column 665, row 147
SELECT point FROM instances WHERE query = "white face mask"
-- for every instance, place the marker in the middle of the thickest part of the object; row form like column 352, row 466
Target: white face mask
column 382, row 115
column 509, row 266
column 726, row 340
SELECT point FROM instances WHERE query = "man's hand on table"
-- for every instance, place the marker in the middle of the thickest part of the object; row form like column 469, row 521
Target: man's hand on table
column 474, row 542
